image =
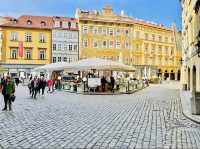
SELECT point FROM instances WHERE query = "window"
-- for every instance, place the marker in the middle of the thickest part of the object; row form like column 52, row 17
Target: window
column 65, row 35
column 95, row 30
column 146, row 36
column 65, row 47
column 95, row 44
column 118, row 44
column 13, row 36
column 57, row 24
column 104, row 45
column 104, row 31
column 137, row 47
column 43, row 23
column 111, row 44
column 70, row 47
column 172, row 40
column 59, row 59
column 160, row 49
column 146, row 47
column 137, row 34
column 160, row 38
column 54, row 47
column 42, row 37
column 13, row 54
column 126, row 44
column 85, row 43
column 29, row 22
column 69, row 24
column 153, row 37
column 172, row 51
column 59, row 46
column 42, row 54
column 153, row 48
column 166, row 39
column 28, row 37
column 75, row 47
column 127, row 32
column 118, row 32
column 100, row 30
column 28, row 54
column 85, row 29
column 54, row 59
column 166, row 50
column 110, row 31
column 65, row 59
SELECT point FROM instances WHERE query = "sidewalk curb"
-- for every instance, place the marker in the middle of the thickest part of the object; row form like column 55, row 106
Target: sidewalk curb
column 188, row 116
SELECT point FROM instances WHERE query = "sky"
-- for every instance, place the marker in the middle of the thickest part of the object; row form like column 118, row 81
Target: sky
column 160, row 11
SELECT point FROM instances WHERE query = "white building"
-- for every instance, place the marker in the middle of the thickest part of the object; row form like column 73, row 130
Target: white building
column 65, row 40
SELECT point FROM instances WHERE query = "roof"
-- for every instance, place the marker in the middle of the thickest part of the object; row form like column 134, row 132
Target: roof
column 66, row 19
column 28, row 21
column 38, row 22
column 99, row 17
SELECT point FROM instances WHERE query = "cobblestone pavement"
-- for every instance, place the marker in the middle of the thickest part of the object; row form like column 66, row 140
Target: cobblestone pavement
column 151, row 118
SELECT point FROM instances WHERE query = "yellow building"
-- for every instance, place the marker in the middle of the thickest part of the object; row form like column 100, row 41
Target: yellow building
column 26, row 43
column 191, row 45
column 151, row 48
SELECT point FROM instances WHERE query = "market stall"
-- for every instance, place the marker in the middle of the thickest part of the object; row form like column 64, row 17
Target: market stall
column 96, row 75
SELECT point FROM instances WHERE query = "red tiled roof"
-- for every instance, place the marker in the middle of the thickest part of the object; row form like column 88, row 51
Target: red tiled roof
column 36, row 22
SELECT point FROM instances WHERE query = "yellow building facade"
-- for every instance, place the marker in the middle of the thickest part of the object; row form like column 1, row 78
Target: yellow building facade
column 151, row 48
column 26, row 44
column 191, row 45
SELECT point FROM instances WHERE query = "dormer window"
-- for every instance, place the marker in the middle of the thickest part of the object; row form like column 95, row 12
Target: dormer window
column 69, row 24
column 29, row 22
column 14, row 21
column 43, row 23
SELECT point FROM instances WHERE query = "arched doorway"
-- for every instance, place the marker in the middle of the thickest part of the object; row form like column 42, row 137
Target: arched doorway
column 172, row 75
column 166, row 75
column 194, row 78
column 188, row 80
column 159, row 73
column 179, row 75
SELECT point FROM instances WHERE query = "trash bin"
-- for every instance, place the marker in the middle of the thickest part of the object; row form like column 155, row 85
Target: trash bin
column 195, row 103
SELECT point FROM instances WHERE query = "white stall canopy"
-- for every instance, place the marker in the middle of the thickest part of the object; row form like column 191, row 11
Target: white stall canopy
column 87, row 64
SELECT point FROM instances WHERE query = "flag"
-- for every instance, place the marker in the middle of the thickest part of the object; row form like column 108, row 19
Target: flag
column 21, row 49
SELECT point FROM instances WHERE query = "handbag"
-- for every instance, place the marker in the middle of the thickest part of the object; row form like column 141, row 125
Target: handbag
column 12, row 98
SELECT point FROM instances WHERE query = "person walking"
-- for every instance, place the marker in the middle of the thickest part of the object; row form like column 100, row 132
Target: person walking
column 43, row 85
column 49, row 84
column 112, row 82
column 103, row 83
column 34, row 86
column 9, row 90
column 3, row 90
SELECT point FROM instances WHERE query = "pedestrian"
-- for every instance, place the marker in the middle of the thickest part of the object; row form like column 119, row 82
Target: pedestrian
column 39, row 87
column 49, row 84
column 29, row 85
column 3, row 90
column 34, row 86
column 9, row 90
column 17, row 81
column 112, row 82
column 43, row 85
column 103, row 83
